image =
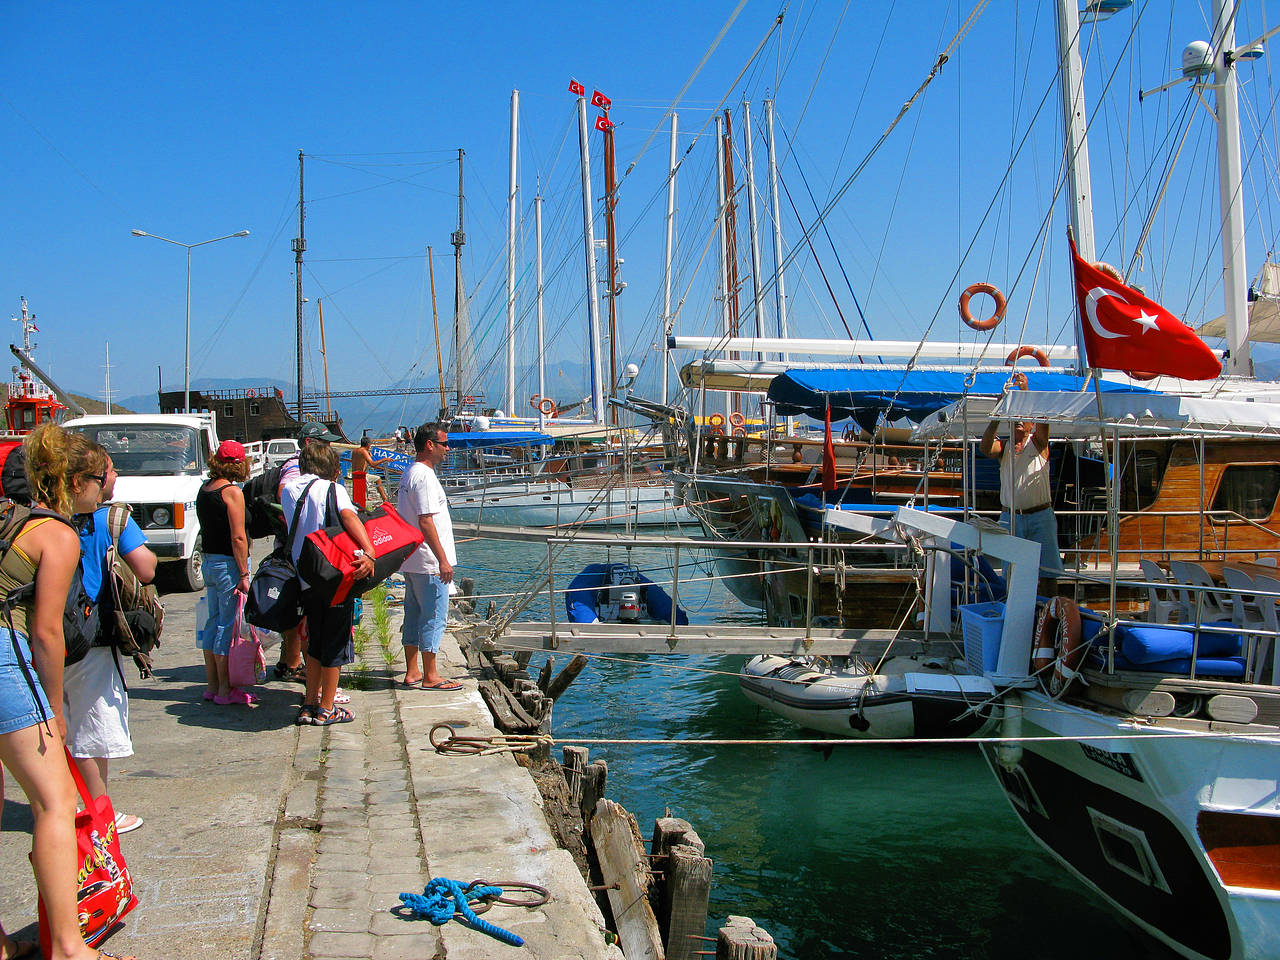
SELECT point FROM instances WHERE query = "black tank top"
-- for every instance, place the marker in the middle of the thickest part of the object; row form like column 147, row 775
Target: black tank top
column 215, row 528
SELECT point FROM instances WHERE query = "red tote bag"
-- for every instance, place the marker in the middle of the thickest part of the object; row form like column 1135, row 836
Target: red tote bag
column 103, row 882
column 327, row 561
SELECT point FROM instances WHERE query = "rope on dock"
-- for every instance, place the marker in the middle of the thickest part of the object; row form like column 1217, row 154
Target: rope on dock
column 443, row 900
column 453, row 745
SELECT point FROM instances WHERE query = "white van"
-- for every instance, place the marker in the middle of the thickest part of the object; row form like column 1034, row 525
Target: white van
column 280, row 450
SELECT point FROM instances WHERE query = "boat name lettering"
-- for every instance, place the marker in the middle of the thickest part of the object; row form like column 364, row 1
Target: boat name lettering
column 1121, row 763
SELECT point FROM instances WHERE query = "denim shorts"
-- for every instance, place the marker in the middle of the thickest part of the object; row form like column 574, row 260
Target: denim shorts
column 20, row 706
column 426, row 611
column 221, row 574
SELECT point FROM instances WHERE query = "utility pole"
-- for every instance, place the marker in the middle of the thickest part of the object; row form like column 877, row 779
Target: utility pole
column 461, row 333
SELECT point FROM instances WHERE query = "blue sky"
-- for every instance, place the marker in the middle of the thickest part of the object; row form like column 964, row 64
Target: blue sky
column 185, row 121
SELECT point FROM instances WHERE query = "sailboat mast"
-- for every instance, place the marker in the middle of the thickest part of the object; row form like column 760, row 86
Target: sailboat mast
column 779, row 285
column 731, row 229
column 511, row 255
column 1235, row 283
column 1071, row 75
column 589, row 241
column 435, row 322
column 299, row 245
column 611, row 253
column 757, row 294
column 726, row 321
column 667, row 322
column 542, row 377
column 324, row 356
column 460, row 332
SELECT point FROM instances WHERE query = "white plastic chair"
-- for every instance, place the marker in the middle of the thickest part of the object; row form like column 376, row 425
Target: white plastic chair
column 1244, row 611
column 1161, row 604
column 1267, row 561
column 1271, row 623
column 1193, row 574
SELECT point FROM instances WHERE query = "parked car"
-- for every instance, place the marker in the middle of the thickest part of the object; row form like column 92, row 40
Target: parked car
column 280, row 450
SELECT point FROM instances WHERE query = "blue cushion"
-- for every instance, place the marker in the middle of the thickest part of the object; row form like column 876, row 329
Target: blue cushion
column 1157, row 644
column 1181, row 666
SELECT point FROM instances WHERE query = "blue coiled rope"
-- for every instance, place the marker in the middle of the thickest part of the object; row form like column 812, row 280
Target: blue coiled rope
column 442, row 898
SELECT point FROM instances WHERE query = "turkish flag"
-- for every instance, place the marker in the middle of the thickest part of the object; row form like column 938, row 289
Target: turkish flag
column 603, row 123
column 598, row 99
column 576, row 88
column 1123, row 330
column 828, row 457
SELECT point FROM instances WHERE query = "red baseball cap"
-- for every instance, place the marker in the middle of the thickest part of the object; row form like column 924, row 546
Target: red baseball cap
column 231, row 450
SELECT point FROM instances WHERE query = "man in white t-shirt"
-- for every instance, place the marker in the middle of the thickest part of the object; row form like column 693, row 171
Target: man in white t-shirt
column 428, row 572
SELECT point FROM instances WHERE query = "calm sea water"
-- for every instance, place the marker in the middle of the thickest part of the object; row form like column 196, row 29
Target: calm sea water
column 864, row 852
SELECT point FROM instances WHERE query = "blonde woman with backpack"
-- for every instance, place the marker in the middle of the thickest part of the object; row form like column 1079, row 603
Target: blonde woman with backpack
column 95, row 696
column 32, row 723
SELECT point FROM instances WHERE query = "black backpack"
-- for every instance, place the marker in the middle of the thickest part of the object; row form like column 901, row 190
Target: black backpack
column 263, row 516
column 79, row 615
column 132, row 616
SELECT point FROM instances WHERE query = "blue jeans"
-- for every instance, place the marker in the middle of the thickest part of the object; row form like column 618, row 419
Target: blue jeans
column 426, row 611
column 1042, row 527
column 21, row 704
column 220, row 577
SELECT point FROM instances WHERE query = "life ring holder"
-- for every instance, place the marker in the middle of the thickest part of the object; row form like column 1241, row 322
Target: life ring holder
column 1057, row 644
column 547, row 407
column 994, row 292
column 1039, row 355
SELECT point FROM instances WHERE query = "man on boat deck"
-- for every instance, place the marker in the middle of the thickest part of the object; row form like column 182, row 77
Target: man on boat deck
column 1025, row 492
column 362, row 463
column 428, row 571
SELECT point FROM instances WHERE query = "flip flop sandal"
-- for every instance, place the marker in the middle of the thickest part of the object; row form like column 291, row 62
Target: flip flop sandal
column 307, row 715
column 125, row 822
column 326, row 718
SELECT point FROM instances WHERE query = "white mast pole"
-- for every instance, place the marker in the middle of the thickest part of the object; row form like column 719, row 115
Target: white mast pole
column 779, row 287
column 589, row 238
column 511, row 256
column 1077, row 145
column 757, row 296
column 668, row 322
column 1235, row 283
column 723, row 238
column 537, row 226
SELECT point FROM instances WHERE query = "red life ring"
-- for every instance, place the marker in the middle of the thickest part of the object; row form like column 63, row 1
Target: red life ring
column 739, row 431
column 251, row 393
column 716, row 430
column 1024, row 351
column 547, row 407
column 737, row 420
column 716, row 420
column 991, row 321
column 1057, row 642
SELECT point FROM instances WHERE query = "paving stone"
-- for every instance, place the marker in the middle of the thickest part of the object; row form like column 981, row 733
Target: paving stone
column 397, row 882
column 302, row 800
column 341, row 945
column 350, row 895
column 339, row 920
column 341, row 863
column 393, row 852
column 424, row 946
column 386, row 924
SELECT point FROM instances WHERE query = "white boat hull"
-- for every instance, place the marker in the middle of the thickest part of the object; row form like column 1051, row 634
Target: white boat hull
column 907, row 699
column 1135, row 817
column 547, row 505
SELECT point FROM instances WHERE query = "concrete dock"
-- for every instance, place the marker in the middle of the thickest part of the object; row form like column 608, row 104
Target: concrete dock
column 268, row 840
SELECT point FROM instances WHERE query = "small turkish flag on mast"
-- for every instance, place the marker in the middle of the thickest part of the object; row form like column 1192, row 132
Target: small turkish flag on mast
column 598, row 99
column 576, row 88
column 1123, row 330
column 604, row 123
column 828, row 456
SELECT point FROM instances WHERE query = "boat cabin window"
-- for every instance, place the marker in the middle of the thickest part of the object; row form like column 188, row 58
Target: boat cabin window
column 228, row 410
column 1143, row 471
column 253, row 409
column 1247, row 489
column 1126, row 849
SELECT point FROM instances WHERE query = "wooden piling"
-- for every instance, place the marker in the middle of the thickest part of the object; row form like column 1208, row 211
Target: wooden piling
column 566, row 676
column 575, row 765
column 685, row 888
column 594, row 777
column 741, row 939
column 616, row 839
column 544, row 675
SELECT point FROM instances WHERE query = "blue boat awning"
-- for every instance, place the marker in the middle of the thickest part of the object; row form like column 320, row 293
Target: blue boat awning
column 500, row 438
column 866, row 394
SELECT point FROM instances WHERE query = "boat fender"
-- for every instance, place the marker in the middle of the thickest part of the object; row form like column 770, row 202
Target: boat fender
column 1057, row 643
column 1024, row 351
column 991, row 321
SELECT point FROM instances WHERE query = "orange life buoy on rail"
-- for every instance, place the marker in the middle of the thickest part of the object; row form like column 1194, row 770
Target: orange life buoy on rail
column 739, row 431
column 1024, row 351
column 716, row 430
column 716, row 420
column 547, row 406
column 737, row 420
column 991, row 321
column 1057, row 642
column 251, row 393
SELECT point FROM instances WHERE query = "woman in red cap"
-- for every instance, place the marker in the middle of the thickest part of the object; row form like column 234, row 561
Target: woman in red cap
column 220, row 507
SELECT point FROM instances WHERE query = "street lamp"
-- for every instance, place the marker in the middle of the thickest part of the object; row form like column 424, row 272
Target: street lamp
column 186, row 367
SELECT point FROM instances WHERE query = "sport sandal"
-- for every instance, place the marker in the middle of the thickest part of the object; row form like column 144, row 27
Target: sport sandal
column 337, row 715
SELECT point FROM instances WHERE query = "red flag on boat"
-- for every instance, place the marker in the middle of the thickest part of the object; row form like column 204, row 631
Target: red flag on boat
column 1123, row 330
column 828, row 457
column 598, row 99
column 603, row 123
column 576, row 88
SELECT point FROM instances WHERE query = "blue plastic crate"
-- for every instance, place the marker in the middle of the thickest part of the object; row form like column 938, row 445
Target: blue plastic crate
column 981, row 625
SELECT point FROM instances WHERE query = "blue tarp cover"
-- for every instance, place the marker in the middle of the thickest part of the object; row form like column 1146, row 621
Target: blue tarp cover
column 500, row 438
column 863, row 394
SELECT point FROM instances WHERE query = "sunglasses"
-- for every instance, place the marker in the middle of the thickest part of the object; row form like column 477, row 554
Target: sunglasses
column 100, row 477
